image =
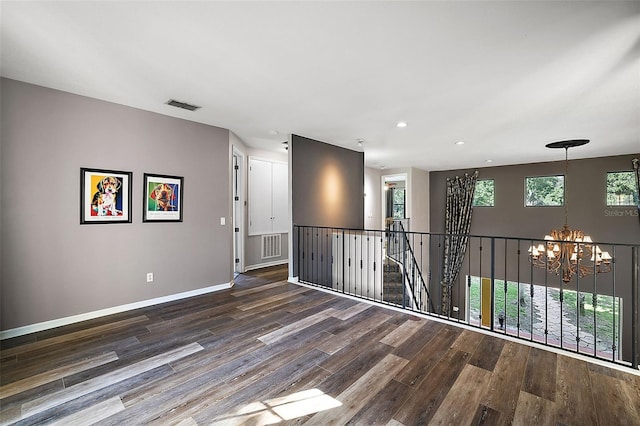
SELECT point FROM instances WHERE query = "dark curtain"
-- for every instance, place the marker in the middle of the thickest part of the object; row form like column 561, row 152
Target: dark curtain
column 460, row 192
column 636, row 167
column 389, row 202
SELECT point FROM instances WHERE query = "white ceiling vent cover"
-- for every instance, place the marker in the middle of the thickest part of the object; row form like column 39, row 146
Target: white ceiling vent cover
column 182, row 105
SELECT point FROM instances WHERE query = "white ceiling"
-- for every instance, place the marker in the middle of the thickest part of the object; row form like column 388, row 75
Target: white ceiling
column 505, row 77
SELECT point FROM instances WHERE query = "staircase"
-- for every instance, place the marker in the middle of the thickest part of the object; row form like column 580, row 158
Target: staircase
column 392, row 284
column 400, row 260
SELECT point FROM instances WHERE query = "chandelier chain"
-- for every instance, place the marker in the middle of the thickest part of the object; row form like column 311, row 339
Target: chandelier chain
column 566, row 185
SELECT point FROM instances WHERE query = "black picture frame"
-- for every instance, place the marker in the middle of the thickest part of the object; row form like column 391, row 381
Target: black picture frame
column 105, row 196
column 162, row 198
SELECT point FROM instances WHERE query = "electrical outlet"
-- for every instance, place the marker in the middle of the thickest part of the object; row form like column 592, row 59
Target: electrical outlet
column 149, row 277
column 456, row 309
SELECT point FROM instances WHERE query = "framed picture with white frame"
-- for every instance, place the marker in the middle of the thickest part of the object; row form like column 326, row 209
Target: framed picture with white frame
column 162, row 200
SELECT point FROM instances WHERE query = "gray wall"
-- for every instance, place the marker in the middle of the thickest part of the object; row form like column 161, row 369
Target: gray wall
column 586, row 189
column 52, row 266
column 327, row 184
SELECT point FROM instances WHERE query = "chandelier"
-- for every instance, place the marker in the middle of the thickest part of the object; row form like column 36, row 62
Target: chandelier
column 569, row 251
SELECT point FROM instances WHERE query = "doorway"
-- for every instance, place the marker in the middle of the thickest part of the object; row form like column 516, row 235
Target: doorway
column 395, row 199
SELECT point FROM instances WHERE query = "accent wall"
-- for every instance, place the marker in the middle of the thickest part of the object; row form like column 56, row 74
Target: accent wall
column 327, row 184
column 51, row 266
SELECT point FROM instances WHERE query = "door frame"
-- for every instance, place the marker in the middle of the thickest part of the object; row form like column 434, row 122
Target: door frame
column 395, row 177
column 238, row 207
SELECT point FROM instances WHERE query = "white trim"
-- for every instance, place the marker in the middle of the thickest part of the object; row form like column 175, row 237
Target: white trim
column 241, row 177
column 266, row 160
column 615, row 366
column 266, row 264
column 290, row 247
column 46, row 325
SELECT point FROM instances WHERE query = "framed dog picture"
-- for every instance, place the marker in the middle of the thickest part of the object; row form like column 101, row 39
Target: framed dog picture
column 162, row 199
column 105, row 196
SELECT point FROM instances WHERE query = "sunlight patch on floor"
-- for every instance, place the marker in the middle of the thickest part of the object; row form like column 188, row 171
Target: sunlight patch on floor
column 276, row 410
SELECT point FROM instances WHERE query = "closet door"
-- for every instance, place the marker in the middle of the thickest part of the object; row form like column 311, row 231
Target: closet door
column 280, row 204
column 260, row 198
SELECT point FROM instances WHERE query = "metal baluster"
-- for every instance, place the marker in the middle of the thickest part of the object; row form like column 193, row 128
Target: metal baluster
column 578, row 304
column 546, row 306
column 480, row 284
column 530, row 280
column 468, row 298
column 634, row 308
column 361, row 235
column 297, row 273
column 594, row 304
column 343, row 263
column 422, row 302
column 531, row 314
column 561, row 309
column 404, row 273
column 503, row 323
column 493, row 280
column 381, row 266
column 367, row 258
column 322, row 251
column 613, row 270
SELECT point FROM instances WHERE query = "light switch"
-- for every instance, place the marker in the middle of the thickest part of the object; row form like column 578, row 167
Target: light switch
column 222, row 221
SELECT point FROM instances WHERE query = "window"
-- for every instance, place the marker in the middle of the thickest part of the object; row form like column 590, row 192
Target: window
column 544, row 191
column 398, row 203
column 621, row 189
column 597, row 316
column 483, row 196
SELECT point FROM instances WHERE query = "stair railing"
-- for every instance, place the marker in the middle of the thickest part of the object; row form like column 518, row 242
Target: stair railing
column 411, row 263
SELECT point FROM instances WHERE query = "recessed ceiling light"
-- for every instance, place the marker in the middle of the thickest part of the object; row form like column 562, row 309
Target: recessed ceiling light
column 489, row 161
column 274, row 132
column 460, row 143
column 401, row 124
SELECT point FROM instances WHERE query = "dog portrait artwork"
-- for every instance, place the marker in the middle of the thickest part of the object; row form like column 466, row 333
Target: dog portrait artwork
column 105, row 196
column 105, row 199
column 164, row 196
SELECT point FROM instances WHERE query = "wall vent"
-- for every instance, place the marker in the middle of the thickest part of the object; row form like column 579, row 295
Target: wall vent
column 182, row 105
column 271, row 245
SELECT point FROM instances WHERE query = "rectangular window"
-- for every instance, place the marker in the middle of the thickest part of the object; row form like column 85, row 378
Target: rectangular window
column 621, row 189
column 542, row 191
column 398, row 203
column 483, row 196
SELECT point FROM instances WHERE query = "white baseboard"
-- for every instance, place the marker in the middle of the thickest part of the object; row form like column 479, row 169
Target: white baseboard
column 46, row 325
column 266, row 265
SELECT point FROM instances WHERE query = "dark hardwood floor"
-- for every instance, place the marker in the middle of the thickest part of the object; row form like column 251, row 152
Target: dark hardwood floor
column 268, row 351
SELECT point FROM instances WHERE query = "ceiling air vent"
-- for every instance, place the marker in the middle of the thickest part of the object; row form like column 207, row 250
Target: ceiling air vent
column 182, row 105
